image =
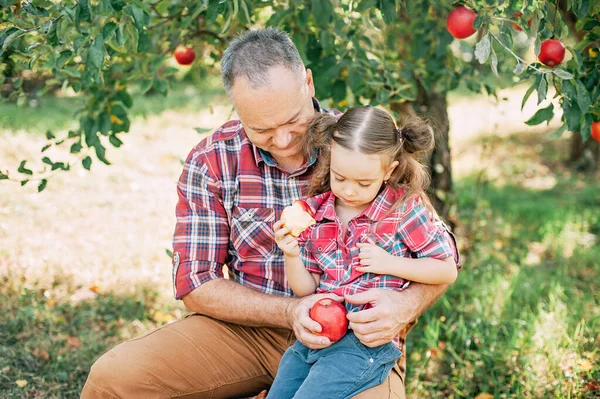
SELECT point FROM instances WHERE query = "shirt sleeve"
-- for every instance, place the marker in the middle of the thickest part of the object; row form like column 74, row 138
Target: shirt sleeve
column 424, row 235
column 202, row 230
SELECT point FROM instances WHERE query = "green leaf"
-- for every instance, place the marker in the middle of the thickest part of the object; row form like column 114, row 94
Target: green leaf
column 160, row 85
column 42, row 185
column 561, row 73
column 338, row 91
column 115, row 141
column 62, row 58
column 583, row 97
column 96, row 52
column 388, row 10
column 478, row 23
column 169, row 253
column 542, row 88
column 494, row 63
column 322, row 11
column 542, row 115
column 125, row 98
column 144, row 42
column 557, row 133
column 108, row 29
column 145, row 86
column 83, row 13
column 104, row 123
column 202, row 130
column 44, row 148
column 3, row 176
column 86, row 162
column 583, row 9
column 23, row 169
column 482, row 49
column 50, row 135
column 101, row 152
column 519, row 68
column 527, row 94
column 33, row 10
column 118, row 5
column 76, row 148
column 572, row 115
column 52, row 35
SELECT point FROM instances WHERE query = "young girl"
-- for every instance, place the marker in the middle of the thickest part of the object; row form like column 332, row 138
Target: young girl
column 375, row 229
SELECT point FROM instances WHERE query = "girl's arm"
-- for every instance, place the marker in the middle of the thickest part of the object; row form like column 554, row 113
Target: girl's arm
column 374, row 259
column 302, row 282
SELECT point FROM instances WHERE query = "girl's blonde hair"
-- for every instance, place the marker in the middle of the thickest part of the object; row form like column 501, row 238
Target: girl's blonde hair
column 373, row 131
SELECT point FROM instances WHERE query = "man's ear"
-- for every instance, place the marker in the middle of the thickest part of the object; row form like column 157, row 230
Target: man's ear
column 310, row 83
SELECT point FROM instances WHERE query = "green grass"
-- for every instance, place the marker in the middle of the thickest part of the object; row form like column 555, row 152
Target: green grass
column 56, row 113
column 523, row 319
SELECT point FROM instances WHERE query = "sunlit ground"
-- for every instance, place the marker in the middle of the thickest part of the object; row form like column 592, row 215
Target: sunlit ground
column 83, row 264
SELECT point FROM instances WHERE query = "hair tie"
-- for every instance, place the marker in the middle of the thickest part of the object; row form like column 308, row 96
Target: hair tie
column 399, row 131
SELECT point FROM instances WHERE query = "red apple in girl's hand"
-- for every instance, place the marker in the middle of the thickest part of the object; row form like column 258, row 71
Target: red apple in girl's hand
column 298, row 217
column 331, row 315
column 460, row 22
column 552, row 52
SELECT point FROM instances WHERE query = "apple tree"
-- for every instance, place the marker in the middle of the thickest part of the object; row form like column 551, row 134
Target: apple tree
column 406, row 55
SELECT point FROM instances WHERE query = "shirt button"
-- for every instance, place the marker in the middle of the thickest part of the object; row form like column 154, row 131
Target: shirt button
column 348, row 233
column 320, row 249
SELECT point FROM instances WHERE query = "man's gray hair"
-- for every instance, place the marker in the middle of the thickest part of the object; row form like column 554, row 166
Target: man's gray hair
column 254, row 53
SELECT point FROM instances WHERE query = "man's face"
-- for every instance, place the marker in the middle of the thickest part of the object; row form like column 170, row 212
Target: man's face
column 276, row 116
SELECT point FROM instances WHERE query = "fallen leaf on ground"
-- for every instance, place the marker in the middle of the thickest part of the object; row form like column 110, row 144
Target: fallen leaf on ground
column 94, row 288
column 21, row 383
column 484, row 395
column 593, row 386
column 41, row 353
column 586, row 365
column 74, row 342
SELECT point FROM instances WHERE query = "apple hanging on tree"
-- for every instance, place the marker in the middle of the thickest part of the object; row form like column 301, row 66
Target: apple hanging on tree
column 552, row 52
column 596, row 131
column 184, row 55
column 460, row 22
column 519, row 15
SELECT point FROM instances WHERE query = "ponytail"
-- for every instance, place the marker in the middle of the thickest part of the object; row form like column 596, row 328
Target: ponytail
column 317, row 140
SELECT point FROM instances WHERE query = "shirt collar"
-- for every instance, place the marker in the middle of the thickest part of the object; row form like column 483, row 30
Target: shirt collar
column 324, row 204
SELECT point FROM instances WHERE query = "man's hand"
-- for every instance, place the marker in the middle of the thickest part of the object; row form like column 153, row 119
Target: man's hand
column 387, row 317
column 373, row 259
column 299, row 320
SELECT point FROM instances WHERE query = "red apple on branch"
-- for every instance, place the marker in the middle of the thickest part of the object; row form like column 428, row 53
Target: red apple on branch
column 519, row 15
column 331, row 315
column 460, row 22
column 596, row 131
column 184, row 55
column 552, row 52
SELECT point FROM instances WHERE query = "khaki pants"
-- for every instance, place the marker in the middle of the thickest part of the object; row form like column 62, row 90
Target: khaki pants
column 200, row 357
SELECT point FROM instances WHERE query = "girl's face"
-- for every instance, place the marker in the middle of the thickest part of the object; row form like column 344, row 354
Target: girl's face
column 356, row 177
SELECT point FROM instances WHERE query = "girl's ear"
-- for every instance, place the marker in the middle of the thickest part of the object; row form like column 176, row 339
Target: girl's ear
column 390, row 169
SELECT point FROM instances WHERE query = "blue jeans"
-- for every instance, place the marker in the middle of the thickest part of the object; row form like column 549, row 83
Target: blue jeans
column 339, row 371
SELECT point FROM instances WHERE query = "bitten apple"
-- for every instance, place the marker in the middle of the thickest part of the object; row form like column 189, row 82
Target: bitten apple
column 331, row 315
column 298, row 217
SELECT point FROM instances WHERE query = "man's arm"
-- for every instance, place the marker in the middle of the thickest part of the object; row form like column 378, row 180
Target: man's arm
column 229, row 301
column 232, row 302
column 391, row 311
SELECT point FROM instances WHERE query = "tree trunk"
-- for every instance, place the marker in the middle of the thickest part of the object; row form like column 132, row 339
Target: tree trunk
column 434, row 107
column 584, row 156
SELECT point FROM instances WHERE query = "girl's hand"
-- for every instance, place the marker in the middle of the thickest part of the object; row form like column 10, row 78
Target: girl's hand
column 285, row 241
column 373, row 259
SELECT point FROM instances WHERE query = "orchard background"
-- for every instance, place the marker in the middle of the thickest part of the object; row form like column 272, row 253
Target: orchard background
column 103, row 99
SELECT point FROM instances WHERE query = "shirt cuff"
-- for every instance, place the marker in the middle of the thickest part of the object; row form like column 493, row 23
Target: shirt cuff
column 188, row 276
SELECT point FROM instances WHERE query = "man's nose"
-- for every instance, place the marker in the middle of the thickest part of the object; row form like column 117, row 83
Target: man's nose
column 283, row 137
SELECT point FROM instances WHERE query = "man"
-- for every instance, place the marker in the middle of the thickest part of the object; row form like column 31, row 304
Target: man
column 234, row 186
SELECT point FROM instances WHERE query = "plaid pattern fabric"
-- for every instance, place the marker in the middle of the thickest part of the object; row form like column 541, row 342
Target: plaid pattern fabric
column 408, row 231
column 230, row 194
